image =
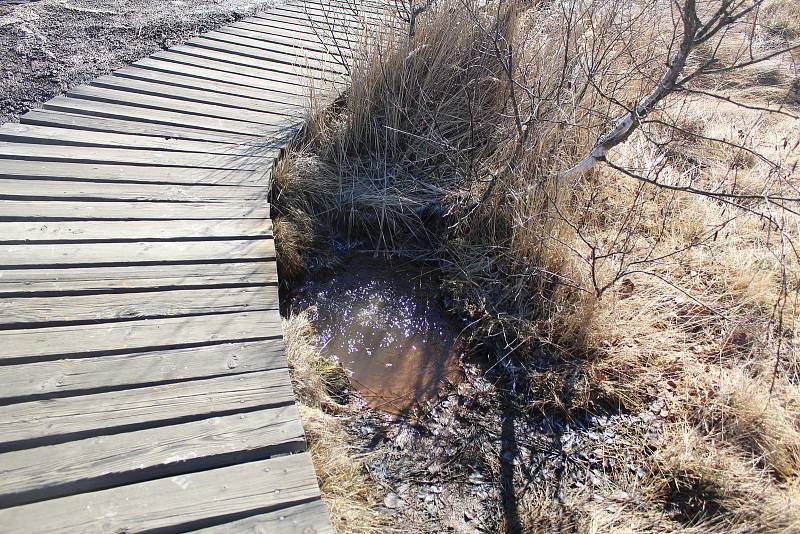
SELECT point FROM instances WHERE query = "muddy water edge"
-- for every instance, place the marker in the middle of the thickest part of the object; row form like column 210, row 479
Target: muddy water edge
column 383, row 322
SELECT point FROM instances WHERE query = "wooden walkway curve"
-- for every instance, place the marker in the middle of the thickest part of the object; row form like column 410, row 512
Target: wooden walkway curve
column 144, row 381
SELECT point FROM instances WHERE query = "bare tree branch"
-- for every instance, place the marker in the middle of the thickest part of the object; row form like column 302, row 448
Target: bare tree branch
column 631, row 120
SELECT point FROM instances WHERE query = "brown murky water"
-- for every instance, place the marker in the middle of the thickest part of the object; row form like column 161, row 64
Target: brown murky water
column 383, row 322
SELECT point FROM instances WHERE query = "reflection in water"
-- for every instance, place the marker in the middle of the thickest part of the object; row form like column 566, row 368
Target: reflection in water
column 384, row 324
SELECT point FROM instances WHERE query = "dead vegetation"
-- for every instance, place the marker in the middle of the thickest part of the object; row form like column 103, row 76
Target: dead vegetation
column 346, row 489
column 660, row 283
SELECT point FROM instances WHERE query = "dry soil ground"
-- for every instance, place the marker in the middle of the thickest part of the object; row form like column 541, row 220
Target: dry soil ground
column 48, row 46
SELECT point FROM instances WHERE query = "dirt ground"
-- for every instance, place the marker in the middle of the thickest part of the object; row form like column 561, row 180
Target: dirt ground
column 49, row 46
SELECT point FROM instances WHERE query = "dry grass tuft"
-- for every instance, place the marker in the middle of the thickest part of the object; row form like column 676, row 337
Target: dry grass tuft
column 345, row 488
column 743, row 414
column 294, row 242
column 317, row 381
column 781, row 511
column 703, row 484
column 782, row 19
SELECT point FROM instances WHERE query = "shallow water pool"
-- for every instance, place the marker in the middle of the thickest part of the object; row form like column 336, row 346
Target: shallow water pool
column 384, row 323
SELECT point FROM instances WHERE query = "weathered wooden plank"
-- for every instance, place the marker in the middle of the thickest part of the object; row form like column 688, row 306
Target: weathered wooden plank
column 30, row 210
column 278, row 105
column 312, row 36
column 28, row 232
column 82, row 121
column 256, row 47
column 200, row 58
column 352, row 14
column 15, row 312
column 262, row 68
column 287, row 95
column 180, row 87
column 167, row 60
column 119, row 94
column 70, row 210
column 26, row 133
column 43, row 422
column 54, row 281
column 304, row 69
column 330, row 29
column 304, row 30
column 191, row 73
column 96, row 172
column 354, row 24
column 182, row 75
column 375, row 5
column 179, row 503
column 336, row 12
column 344, row 10
column 74, row 340
column 278, row 35
column 331, row 23
column 288, row 52
column 337, row 21
column 332, row 18
column 62, row 189
column 360, row 6
column 33, row 380
column 98, row 463
column 163, row 158
column 270, row 50
column 350, row 10
column 371, row 8
column 158, row 116
column 308, row 517
column 134, row 252
column 303, row 33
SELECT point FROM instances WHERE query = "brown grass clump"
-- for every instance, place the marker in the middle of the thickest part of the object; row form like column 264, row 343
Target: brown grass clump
column 295, row 243
column 782, row 19
column 781, row 511
column 317, row 380
column 345, row 487
column 743, row 414
column 361, row 174
column 704, row 484
column 611, row 295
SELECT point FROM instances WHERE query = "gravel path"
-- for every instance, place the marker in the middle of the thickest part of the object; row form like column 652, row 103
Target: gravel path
column 49, row 46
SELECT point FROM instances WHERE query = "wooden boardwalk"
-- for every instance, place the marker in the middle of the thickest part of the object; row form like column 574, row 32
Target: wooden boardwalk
column 144, row 381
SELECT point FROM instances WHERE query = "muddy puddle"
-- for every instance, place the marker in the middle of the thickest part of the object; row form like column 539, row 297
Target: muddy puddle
column 384, row 323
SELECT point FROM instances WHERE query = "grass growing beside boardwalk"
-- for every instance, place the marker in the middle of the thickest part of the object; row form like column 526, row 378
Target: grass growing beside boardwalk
column 617, row 292
column 346, row 489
